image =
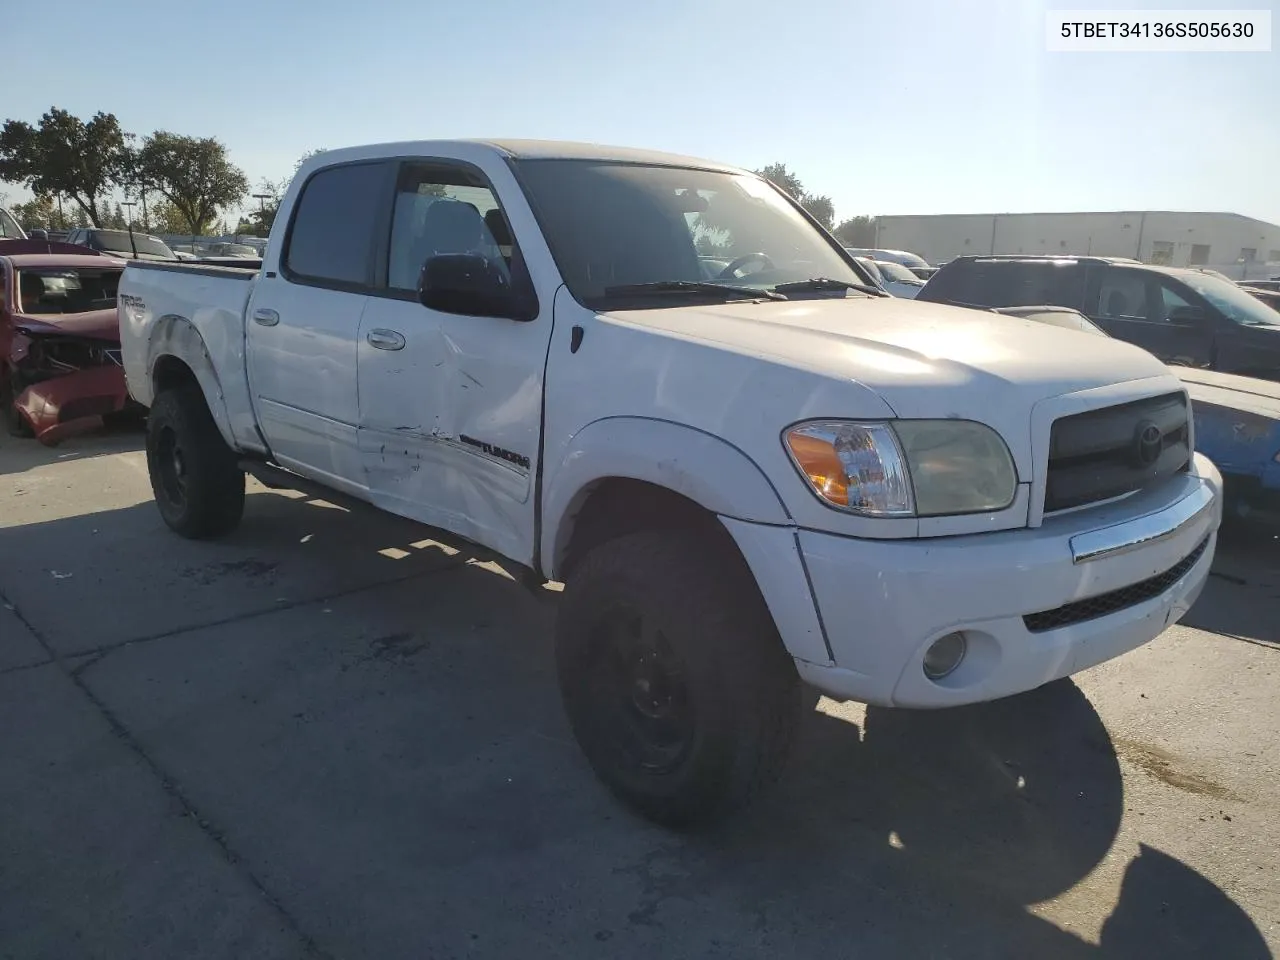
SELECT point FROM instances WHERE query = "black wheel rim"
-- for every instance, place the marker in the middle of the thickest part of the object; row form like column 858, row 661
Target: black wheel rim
column 640, row 693
column 171, row 467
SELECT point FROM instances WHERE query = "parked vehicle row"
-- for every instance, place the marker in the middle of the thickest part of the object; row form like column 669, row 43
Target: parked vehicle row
column 654, row 379
column 1185, row 317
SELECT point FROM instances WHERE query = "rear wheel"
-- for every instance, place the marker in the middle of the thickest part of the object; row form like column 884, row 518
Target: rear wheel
column 194, row 476
column 673, row 676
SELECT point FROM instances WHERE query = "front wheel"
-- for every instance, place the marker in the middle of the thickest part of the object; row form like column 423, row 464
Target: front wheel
column 194, row 476
column 673, row 676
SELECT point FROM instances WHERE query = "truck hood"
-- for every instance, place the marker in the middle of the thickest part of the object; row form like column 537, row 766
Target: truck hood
column 925, row 360
column 93, row 325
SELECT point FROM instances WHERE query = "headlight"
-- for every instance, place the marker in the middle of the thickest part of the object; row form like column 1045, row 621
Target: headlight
column 908, row 468
column 854, row 466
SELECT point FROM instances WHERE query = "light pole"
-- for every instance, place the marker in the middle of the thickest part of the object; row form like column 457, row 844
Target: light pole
column 130, row 204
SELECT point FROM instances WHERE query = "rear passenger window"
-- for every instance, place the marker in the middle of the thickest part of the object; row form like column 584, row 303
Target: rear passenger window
column 331, row 238
column 1007, row 283
column 1122, row 296
column 1021, row 283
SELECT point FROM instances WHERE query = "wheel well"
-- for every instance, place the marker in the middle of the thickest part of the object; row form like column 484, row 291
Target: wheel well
column 617, row 507
column 169, row 373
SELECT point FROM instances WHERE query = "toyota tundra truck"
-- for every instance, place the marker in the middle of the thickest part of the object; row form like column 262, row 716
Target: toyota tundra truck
column 658, row 381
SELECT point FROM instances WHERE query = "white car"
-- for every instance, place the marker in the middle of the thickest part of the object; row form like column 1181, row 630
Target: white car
column 653, row 379
column 898, row 280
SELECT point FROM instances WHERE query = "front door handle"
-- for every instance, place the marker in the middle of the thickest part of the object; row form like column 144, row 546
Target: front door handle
column 385, row 339
column 265, row 317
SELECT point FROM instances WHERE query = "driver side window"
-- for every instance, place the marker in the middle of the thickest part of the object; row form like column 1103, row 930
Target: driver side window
column 1171, row 300
column 443, row 209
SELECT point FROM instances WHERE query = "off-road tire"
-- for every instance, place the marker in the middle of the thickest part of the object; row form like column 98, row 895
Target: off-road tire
column 742, row 686
column 209, row 500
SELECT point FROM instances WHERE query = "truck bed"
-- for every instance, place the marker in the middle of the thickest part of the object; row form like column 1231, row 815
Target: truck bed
column 160, row 302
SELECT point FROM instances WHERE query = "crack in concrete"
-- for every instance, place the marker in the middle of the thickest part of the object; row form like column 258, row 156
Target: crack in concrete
column 171, row 786
column 109, row 648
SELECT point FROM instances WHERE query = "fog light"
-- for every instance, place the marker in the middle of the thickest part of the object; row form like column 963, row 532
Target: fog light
column 944, row 655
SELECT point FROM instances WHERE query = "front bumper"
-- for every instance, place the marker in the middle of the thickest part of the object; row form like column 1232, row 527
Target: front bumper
column 72, row 403
column 1116, row 575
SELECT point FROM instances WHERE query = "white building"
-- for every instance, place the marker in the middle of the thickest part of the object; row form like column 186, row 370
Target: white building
column 1240, row 247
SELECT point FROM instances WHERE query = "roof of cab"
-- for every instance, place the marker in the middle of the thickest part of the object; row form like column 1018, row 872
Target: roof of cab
column 527, row 150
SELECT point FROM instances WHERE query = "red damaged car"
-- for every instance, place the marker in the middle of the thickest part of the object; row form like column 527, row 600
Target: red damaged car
column 60, row 369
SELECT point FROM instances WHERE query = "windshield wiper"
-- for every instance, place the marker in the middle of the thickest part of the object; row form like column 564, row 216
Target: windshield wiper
column 826, row 283
column 691, row 286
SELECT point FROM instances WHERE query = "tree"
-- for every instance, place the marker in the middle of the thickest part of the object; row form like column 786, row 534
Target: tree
column 115, row 220
column 167, row 218
column 40, row 213
column 781, row 177
column 64, row 155
column 820, row 208
column 260, row 221
column 857, row 232
column 192, row 173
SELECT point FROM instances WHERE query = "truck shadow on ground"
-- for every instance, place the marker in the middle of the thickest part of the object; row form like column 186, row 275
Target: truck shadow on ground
column 1242, row 597
column 894, row 833
column 975, row 814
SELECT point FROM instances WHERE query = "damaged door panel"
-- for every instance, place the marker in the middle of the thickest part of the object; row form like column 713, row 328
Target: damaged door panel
column 450, row 403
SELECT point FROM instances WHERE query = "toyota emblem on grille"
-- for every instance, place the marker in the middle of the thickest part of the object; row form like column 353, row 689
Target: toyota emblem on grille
column 1148, row 443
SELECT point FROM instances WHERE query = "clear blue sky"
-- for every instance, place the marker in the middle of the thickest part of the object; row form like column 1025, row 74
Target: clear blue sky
column 930, row 106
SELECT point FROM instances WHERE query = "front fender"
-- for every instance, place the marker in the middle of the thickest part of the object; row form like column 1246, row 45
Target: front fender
column 704, row 468
column 177, row 337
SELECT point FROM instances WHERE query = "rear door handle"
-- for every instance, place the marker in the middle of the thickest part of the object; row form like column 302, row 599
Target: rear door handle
column 385, row 339
column 265, row 317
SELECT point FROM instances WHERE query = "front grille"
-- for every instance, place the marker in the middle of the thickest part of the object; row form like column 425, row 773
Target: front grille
column 1113, row 451
column 1106, row 603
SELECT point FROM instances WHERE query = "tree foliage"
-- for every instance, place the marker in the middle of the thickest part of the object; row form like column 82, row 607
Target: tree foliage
column 167, row 218
column 260, row 221
column 857, row 232
column 820, row 207
column 781, row 177
column 41, row 213
column 193, row 173
column 64, row 155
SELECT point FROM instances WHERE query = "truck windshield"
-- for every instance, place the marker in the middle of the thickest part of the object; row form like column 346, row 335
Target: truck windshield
column 615, row 227
column 117, row 242
column 67, row 291
column 1238, row 305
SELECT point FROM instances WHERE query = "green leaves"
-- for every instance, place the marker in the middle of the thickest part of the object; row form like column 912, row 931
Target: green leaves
column 63, row 155
column 193, row 173
column 820, row 207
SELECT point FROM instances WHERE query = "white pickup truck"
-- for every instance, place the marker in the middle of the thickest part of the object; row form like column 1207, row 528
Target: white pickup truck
column 657, row 380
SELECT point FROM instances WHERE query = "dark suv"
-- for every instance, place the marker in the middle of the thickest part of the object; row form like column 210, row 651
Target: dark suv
column 1185, row 317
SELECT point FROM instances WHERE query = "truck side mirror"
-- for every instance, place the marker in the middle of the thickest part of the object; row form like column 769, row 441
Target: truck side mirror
column 472, row 285
column 39, row 234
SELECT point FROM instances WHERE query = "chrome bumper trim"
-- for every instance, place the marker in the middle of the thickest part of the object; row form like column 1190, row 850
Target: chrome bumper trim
column 1139, row 533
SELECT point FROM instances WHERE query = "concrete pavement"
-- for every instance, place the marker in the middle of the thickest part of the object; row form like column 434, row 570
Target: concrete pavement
column 330, row 735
